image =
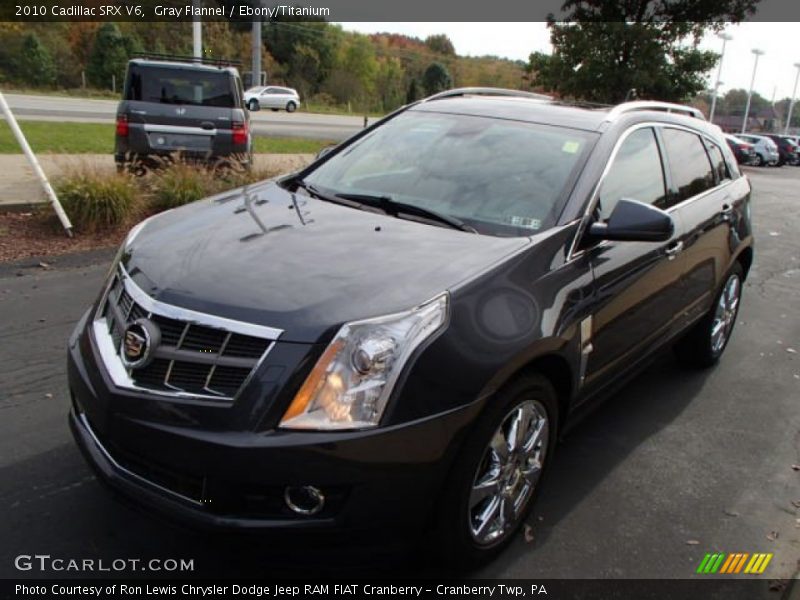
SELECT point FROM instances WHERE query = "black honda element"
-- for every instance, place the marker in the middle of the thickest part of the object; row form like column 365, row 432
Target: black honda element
column 393, row 338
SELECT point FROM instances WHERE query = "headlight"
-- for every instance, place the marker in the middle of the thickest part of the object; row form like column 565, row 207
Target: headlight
column 350, row 385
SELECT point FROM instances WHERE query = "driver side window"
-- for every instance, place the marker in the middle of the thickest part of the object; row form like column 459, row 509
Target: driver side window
column 636, row 174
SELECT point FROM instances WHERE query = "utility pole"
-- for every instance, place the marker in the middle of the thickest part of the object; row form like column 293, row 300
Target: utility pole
column 256, row 67
column 757, row 53
column 725, row 39
column 791, row 103
column 197, row 33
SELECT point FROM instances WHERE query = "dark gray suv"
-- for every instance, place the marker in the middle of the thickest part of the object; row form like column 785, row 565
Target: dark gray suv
column 191, row 109
column 392, row 339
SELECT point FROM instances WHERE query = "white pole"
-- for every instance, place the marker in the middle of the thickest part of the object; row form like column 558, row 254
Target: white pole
column 197, row 34
column 791, row 104
column 750, row 93
column 37, row 168
column 725, row 39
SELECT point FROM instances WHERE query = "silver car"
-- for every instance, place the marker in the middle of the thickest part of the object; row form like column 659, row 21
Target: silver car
column 272, row 96
column 766, row 150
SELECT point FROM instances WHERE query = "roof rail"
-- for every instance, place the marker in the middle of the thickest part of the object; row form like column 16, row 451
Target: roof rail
column 219, row 62
column 626, row 107
column 485, row 91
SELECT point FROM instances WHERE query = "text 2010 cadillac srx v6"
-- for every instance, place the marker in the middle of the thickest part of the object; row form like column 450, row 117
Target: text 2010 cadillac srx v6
column 393, row 337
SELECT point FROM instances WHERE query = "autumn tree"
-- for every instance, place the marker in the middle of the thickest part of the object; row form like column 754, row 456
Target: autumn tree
column 440, row 44
column 605, row 48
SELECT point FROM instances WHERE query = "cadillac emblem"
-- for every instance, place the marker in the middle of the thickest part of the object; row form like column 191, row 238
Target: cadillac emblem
column 138, row 343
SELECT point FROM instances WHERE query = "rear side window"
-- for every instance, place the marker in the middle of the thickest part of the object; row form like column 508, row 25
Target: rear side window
column 718, row 162
column 691, row 169
column 635, row 174
column 168, row 85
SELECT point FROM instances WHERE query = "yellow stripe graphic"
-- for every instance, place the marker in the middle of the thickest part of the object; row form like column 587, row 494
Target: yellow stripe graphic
column 763, row 566
column 752, row 563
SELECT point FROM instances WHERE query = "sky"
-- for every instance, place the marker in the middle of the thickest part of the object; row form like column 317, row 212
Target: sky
column 775, row 74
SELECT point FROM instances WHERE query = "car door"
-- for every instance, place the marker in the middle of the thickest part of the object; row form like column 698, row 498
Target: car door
column 638, row 284
column 707, row 204
column 269, row 98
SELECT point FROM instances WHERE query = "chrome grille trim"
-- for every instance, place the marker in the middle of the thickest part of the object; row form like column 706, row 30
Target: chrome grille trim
column 110, row 309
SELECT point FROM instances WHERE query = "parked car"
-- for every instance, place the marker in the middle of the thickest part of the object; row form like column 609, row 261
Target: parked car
column 170, row 106
column 766, row 150
column 743, row 151
column 400, row 350
column 273, row 97
column 789, row 153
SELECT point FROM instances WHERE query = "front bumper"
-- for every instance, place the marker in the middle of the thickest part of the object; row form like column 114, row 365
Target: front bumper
column 389, row 477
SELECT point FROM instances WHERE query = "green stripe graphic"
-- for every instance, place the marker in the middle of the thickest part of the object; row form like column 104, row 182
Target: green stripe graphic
column 702, row 566
column 718, row 564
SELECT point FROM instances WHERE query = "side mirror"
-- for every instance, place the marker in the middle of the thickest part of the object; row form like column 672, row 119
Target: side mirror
column 325, row 151
column 634, row 221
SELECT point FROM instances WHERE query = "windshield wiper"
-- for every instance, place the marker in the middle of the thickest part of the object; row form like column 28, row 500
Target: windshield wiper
column 395, row 208
column 316, row 193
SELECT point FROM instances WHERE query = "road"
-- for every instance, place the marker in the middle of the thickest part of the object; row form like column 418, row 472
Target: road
column 264, row 123
column 678, row 464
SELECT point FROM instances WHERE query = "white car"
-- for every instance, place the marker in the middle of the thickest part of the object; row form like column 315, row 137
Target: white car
column 766, row 150
column 272, row 96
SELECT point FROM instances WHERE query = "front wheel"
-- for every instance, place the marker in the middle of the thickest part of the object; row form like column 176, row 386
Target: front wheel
column 758, row 160
column 706, row 342
column 493, row 486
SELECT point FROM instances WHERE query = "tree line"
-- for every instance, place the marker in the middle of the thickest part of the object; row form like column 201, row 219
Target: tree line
column 326, row 64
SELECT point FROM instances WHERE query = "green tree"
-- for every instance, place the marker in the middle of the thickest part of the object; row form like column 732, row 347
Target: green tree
column 110, row 53
column 308, row 49
column 734, row 103
column 35, row 65
column 440, row 44
column 605, row 48
column 412, row 95
column 436, row 78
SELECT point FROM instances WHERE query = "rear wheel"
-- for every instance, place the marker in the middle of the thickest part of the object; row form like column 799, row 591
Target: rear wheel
column 291, row 107
column 706, row 342
column 253, row 105
column 497, row 476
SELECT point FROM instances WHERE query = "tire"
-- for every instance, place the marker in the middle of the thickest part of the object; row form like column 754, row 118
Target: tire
column 291, row 107
column 758, row 161
column 705, row 343
column 253, row 105
column 463, row 539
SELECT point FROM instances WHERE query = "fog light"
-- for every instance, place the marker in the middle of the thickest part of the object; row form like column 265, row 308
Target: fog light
column 304, row 500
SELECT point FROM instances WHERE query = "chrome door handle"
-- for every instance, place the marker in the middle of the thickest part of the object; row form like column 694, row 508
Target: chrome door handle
column 674, row 249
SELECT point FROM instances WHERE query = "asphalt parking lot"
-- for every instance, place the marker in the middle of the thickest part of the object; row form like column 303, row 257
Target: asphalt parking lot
column 678, row 464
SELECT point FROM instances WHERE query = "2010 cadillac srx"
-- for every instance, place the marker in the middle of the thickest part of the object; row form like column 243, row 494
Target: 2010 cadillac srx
column 394, row 337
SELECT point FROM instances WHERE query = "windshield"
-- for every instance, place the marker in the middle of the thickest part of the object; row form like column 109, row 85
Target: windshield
column 502, row 177
column 168, row 85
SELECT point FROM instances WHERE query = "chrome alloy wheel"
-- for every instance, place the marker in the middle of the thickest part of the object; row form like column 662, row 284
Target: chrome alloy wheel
column 725, row 314
column 508, row 472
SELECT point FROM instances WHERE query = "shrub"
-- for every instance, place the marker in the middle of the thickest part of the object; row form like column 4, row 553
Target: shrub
column 96, row 200
column 180, row 184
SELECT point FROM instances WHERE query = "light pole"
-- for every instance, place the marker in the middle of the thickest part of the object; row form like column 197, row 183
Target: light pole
column 758, row 53
column 791, row 104
column 725, row 39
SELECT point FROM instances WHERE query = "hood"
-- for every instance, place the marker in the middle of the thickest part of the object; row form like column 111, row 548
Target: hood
column 317, row 265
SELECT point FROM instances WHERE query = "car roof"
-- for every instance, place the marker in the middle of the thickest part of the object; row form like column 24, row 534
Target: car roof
column 574, row 115
column 174, row 64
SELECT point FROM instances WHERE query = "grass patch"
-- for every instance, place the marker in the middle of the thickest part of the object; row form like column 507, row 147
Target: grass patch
column 98, row 138
column 264, row 145
column 60, row 138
